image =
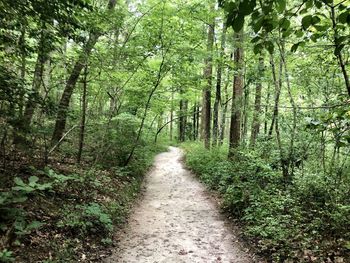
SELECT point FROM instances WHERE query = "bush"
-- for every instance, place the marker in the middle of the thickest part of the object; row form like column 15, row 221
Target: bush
column 284, row 220
column 84, row 219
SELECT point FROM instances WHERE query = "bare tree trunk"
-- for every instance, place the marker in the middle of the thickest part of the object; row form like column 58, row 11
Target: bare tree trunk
column 208, row 75
column 83, row 116
column 267, row 103
column 278, row 86
column 257, row 103
column 290, row 162
column 198, row 120
column 224, row 107
column 31, row 104
column 183, row 118
column 218, row 86
column 171, row 114
column 338, row 50
column 63, row 106
column 22, row 43
column 194, row 121
column 235, row 128
column 244, row 116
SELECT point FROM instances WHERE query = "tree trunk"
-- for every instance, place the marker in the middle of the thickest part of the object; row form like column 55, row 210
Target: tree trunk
column 208, row 75
column 183, row 118
column 194, row 122
column 267, row 103
column 257, row 103
column 218, row 86
column 197, row 123
column 224, row 107
column 338, row 50
column 30, row 106
column 83, row 116
column 235, row 128
column 278, row 86
column 171, row 114
column 63, row 106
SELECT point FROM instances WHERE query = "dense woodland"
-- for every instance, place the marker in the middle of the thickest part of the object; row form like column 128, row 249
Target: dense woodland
column 256, row 92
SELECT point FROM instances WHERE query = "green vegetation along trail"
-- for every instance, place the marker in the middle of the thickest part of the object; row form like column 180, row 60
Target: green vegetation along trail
column 177, row 221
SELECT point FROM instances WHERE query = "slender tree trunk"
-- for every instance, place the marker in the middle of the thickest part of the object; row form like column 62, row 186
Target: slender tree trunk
column 291, row 159
column 224, row 107
column 208, row 75
column 278, row 86
column 83, row 116
column 171, row 115
column 148, row 104
column 183, row 118
column 244, row 116
column 257, row 103
column 194, row 121
column 31, row 104
column 198, row 120
column 235, row 128
column 218, row 86
column 338, row 50
column 63, row 106
column 22, row 44
column 267, row 103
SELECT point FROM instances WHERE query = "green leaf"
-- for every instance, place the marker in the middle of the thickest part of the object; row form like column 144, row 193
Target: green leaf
column 343, row 17
column 33, row 179
column 269, row 46
column 246, row 7
column 34, row 225
column 258, row 48
column 238, row 23
column 306, row 21
column 257, row 25
column 318, row 4
column 19, row 181
column 281, row 5
column 315, row 20
column 284, row 23
column 299, row 33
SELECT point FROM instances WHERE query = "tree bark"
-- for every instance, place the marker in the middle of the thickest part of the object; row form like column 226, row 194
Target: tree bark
column 278, row 86
column 208, row 75
column 338, row 50
column 83, row 116
column 235, row 127
column 31, row 104
column 183, row 118
column 171, row 114
column 218, row 87
column 257, row 103
column 63, row 106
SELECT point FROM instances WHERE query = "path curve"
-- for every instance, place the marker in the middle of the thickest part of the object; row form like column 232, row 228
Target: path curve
column 177, row 221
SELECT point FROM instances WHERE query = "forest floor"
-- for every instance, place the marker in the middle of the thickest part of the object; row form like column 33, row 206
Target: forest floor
column 177, row 220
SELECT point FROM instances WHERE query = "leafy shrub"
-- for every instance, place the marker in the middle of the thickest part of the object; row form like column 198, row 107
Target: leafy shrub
column 284, row 220
column 6, row 256
column 83, row 219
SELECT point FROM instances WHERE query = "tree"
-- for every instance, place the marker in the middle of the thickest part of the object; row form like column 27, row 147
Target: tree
column 237, row 91
column 80, row 63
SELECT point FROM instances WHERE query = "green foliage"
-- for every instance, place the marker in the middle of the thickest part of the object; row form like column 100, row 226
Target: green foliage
column 31, row 186
column 84, row 219
column 283, row 221
column 6, row 256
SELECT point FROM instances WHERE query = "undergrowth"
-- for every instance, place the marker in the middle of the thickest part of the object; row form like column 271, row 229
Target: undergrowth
column 306, row 221
column 65, row 212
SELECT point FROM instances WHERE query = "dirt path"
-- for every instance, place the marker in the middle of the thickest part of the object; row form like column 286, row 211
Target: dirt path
column 176, row 221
